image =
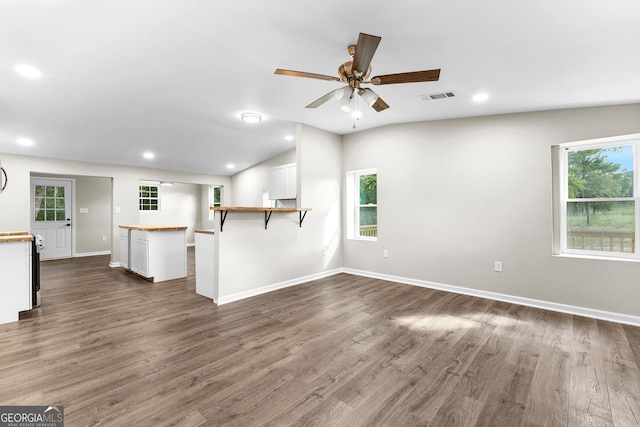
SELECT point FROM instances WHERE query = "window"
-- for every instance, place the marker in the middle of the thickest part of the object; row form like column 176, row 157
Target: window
column 214, row 199
column 49, row 203
column 149, row 200
column 362, row 203
column 599, row 198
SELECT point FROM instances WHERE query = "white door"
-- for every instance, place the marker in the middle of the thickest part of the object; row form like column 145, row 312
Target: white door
column 51, row 215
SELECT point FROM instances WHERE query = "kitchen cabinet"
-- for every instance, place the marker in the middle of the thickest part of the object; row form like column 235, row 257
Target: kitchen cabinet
column 140, row 253
column 282, row 182
column 15, row 276
column 124, row 247
column 157, row 253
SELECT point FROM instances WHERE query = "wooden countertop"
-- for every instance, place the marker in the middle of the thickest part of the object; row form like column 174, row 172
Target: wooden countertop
column 154, row 227
column 256, row 209
column 205, row 231
column 15, row 236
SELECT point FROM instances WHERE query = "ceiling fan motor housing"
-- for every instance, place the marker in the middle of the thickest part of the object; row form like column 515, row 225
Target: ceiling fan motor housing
column 353, row 77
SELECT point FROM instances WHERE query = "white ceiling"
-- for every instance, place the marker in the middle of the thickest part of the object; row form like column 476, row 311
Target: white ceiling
column 172, row 76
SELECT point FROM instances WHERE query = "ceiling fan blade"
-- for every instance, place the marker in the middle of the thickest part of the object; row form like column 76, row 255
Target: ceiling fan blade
column 365, row 49
column 411, row 77
column 318, row 102
column 308, row 75
column 380, row 105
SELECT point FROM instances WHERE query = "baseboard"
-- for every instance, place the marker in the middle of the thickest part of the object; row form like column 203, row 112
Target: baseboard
column 85, row 254
column 546, row 305
column 113, row 264
column 274, row 287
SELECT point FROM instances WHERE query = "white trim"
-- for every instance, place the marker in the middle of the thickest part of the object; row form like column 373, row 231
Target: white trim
column 114, row 264
column 84, row 254
column 512, row 299
column 274, row 287
column 545, row 305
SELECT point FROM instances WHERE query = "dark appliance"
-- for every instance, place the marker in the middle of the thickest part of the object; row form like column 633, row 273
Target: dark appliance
column 37, row 245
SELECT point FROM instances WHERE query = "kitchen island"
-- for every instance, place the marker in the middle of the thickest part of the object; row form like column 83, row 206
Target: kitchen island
column 154, row 252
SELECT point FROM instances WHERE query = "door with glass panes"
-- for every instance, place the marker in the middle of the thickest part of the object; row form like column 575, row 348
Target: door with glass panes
column 51, row 215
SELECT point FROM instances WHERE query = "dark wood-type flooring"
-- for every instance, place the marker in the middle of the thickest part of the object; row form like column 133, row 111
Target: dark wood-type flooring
column 345, row 351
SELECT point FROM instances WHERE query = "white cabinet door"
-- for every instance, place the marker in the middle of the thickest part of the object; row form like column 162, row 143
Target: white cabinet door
column 124, row 247
column 282, row 182
column 139, row 253
column 277, row 183
column 290, row 181
column 15, row 280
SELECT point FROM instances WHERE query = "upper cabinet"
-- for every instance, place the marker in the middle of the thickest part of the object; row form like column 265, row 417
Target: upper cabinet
column 282, row 182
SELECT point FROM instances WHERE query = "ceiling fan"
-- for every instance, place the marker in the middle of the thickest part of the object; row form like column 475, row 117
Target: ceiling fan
column 356, row 72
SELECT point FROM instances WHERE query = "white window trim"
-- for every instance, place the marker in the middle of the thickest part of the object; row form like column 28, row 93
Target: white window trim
column 563, row 166
column 212, row 214
column 353, row 199
column 149, row 184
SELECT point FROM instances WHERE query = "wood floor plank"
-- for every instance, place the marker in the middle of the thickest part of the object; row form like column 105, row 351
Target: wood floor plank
column 588, row 388
column 343, row 350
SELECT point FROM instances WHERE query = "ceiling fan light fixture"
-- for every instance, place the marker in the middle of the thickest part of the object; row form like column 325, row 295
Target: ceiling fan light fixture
column 369, row 96
column 344, row 93
column 251, row 117
column 345, row 97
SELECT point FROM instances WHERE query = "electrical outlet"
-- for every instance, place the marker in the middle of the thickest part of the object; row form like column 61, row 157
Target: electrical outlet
column 498, row 266
column 385, row 253
column 104, row 238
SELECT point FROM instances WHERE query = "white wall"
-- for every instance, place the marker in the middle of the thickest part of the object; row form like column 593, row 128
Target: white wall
column 252, row 258
column 14, row 201
column 94, row 195
column 251, row 185
column 456, row 195
column 180, row 205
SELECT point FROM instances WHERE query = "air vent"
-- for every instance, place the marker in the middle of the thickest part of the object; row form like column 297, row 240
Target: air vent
column 439, row 95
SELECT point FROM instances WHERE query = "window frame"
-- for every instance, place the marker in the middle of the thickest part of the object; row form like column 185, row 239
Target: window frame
column 212, row 200
column 353, row 204
column 564, row 200
column 141, row 198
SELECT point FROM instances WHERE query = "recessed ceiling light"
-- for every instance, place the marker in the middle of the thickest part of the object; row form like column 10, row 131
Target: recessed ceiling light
column 28, row 71
column 288, row 138
column 480, row 97
column 230, row 166
column 25, row 142
column 148, row 155
column 251, row 117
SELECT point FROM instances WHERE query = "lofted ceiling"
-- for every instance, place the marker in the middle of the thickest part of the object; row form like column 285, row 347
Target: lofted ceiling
column 173, row 76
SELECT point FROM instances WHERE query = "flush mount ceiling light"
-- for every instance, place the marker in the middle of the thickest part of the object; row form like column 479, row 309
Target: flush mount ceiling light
column 288, row 138
column 251, row 117
column 148, row 155
column 28, row 71
column 230, row 166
